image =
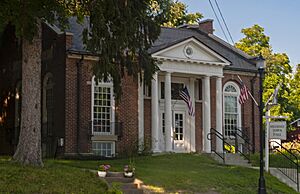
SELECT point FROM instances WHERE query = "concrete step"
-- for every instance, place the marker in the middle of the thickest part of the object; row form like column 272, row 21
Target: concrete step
column 114, row 174
column 232, row 159
column 119, row 179
column 133, row 191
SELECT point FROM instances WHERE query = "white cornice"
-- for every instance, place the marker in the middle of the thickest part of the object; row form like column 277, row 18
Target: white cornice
column 158, row 54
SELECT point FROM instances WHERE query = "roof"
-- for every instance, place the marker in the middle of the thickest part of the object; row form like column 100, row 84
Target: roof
column 76, row 29
column 170, row 36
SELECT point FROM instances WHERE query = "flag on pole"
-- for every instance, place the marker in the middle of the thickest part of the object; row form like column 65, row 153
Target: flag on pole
column 244, row 95
column 184, row 94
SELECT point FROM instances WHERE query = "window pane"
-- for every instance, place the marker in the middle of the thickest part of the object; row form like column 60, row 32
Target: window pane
column 231, row 110
column 103, row 148
column 102, row 108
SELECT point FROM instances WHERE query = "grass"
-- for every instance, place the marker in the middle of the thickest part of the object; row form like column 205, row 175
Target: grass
column 188, row 173
column 53, row 178
column 276, row 160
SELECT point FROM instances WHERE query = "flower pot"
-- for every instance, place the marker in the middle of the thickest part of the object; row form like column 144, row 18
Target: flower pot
column 101, row 173
column 128, row 174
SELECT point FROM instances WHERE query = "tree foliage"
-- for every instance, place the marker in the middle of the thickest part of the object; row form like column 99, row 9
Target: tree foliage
column 121, row 37
column 278, row 69
column 178, row 15
column 120, row 34
column 295, row 93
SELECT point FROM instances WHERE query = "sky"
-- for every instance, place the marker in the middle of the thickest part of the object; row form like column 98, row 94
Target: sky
column 279, row 18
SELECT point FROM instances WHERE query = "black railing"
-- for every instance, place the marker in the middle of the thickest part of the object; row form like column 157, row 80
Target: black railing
column 216, row 134
column 246, row 148
column 290, row 168
column 106, row 128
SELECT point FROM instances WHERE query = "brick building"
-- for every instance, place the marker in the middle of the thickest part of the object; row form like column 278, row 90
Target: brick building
column 81, row 117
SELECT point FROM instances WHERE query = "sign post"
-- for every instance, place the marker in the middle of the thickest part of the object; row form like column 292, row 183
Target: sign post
column 274, row 130
column 278, row 130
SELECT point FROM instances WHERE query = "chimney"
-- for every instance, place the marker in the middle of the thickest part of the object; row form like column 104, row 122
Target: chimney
column 207, row 26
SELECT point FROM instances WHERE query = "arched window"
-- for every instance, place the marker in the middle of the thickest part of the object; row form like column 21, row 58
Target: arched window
column 232, row 109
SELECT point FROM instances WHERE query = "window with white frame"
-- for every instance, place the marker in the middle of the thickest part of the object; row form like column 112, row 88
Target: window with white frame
column 105, row 149
column 175, row 90
column 102, row 110
column 232, row 108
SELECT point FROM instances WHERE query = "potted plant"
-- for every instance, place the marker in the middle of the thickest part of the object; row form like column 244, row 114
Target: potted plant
column 102, row 170
column 129, row 170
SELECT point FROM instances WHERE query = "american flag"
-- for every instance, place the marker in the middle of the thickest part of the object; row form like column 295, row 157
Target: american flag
column 244, row 95
column 184, row 94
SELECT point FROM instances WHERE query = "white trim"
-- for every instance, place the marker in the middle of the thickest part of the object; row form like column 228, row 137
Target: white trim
column 237, row 94
column 85, row 56
column 206, row 110
column 219, row 113
column 198, row 43
column 155, row 114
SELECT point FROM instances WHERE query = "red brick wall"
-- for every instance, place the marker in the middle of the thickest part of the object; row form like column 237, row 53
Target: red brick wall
column 147, row 121
column 70, row 103
column 85, row 76
column 127, row 112
column 246, row 108
column 198, row 127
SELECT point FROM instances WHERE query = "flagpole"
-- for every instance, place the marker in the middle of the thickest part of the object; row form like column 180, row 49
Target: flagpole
column 249, row 92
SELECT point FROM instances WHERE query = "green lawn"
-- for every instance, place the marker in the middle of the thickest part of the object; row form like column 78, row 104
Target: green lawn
column 276, row 160
column 188, row 173
column 53, row 178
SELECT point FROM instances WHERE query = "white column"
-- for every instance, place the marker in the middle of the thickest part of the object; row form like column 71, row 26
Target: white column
column 141, row 113
column 219, row 113
column 168, row 112
column 192, row 119
column 206, row 114
column 154, row 113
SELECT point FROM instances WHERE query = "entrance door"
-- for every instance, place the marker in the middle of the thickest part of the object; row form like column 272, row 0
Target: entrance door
column 179, row 125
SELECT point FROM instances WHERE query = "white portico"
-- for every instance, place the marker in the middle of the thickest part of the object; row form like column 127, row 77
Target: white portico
column 188, row 63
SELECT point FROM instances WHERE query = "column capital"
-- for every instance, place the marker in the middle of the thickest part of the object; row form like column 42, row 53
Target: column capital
column 168, row 72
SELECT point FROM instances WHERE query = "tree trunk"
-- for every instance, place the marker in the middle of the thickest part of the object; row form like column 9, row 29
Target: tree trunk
column 29, row 151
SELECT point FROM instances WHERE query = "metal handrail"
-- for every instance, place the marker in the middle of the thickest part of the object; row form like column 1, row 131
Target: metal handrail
column 247, row 145
column 285, row 171
column 221, row 137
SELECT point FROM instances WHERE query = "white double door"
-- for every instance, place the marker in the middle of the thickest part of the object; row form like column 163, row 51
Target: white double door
column 178, row 131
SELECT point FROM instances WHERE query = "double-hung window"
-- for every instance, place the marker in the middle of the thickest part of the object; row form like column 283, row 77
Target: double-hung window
column 102, row 108
column 232, row 113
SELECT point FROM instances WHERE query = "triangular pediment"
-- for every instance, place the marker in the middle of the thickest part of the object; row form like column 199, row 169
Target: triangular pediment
column 191, row 50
